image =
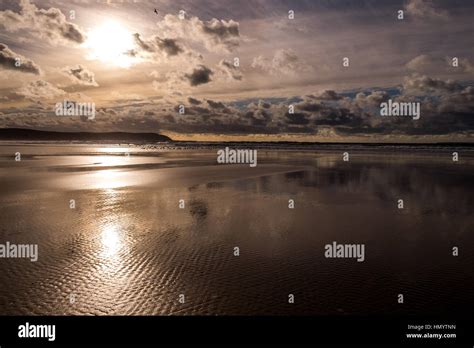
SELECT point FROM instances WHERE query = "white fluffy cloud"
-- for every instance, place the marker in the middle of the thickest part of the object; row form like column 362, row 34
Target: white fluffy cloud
column 422, row 85
column 285, row 61
column 215, row 35
column 50, row 24
column 422, row 62
column 424, row 9
column 229, row 70
column 80, row 75
column 40, row 89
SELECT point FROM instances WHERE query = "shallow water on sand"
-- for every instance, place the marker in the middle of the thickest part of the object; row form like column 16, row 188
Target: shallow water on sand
column 127, row 247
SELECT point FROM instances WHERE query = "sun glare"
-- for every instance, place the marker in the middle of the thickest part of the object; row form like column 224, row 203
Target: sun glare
column 110, row 43
column 110, row 240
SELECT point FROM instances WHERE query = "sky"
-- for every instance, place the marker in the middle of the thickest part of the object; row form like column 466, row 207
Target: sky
column 256, row 70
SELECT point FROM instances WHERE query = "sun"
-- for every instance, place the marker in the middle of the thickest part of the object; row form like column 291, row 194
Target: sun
column 111, row 43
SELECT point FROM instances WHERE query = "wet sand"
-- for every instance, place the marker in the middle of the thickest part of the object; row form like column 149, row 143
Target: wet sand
column 127, row 247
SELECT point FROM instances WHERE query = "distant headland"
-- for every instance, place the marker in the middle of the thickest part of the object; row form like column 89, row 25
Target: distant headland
column 39, row 135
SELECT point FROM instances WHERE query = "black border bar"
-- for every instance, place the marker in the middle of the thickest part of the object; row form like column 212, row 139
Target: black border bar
column 223, row 330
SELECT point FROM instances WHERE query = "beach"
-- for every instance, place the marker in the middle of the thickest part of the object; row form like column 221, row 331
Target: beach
column 127, row 230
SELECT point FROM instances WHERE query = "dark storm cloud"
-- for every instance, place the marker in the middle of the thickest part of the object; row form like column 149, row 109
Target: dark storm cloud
column 339, row 117
column 326, row 95
column 142, row 44
column 297, row 118
column 8, row 60
column 262, row 104
column 200, row 75
column 215, row 105
column 308, row 106
column 450, row 111
column 169, row 47
column 258, row 114
column 337, row 114
column 198, row 110
column 193, row 110
column 458, row 102
column 193, row 101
